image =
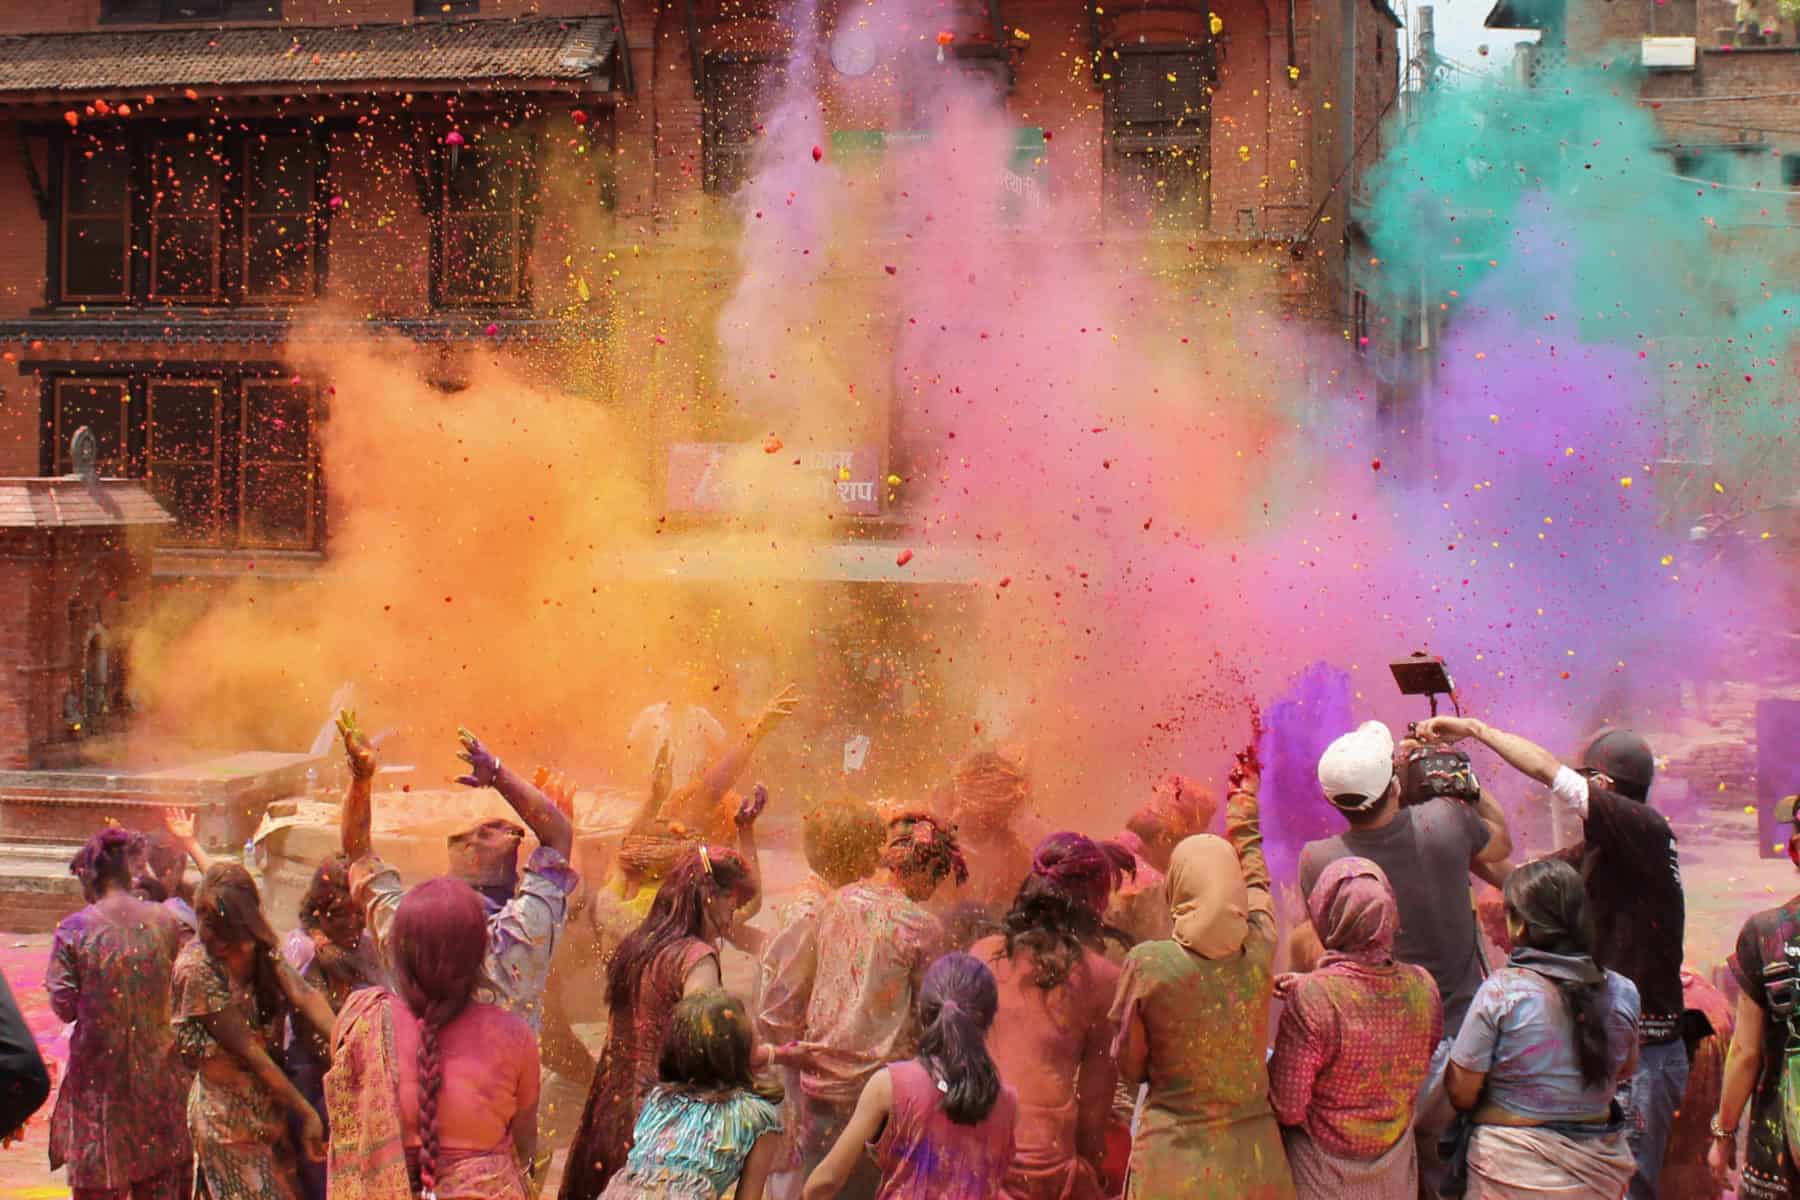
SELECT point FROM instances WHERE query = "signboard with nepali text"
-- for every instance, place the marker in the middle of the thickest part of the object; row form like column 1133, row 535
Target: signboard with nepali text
column 701, row 478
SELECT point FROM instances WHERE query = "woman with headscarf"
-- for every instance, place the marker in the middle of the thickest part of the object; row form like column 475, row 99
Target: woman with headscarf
column 1052, row 1040
column 1540, row 1057
column 1192, row 1015
column 120, row 1120
column 1353, row 1046
column 674, row 953
column 432, row 1093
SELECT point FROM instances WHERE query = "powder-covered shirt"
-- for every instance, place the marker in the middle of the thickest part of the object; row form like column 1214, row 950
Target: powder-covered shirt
column 522, row 932
column 924, row 1155
column 1425, row 851
column 1520, row 1035
column 1632, row 868
column 685, row 1141
column 1352, row 1048
column 874, row 946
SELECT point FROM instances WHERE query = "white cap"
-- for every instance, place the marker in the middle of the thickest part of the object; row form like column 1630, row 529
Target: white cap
column 1358, row 764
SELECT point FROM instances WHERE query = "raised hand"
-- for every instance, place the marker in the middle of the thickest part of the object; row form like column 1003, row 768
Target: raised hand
column 1444, row 731
column 779, row 708
column 484, row 765
column 752, row 808
column 180, row 824
column 1284, row 984
column 357, row 750
column 1246, row 775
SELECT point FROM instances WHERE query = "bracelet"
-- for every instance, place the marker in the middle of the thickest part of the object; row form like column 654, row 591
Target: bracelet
column 1719, row 1131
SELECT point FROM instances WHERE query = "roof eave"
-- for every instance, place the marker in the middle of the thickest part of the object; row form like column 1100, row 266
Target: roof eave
column 598, row 84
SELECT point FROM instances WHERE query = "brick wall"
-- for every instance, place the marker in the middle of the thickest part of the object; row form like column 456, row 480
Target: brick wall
column 27, row 16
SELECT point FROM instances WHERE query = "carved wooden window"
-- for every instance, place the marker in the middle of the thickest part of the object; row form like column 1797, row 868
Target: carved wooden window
column 1158, row 133
column 278, row 234
column 277, row 466
column 96, row 218
column 185, row 223
column 482, row 223
column 181, row 456
column 104, row 406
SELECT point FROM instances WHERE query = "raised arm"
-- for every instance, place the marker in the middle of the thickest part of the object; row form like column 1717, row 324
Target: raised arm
column 180, row 824
column 538, row 811
column 1526, row 757
column 1243, row 829
column 355, row 819
column 725, row 769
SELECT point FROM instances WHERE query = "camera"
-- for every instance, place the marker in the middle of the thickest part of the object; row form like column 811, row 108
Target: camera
column 1427, row 772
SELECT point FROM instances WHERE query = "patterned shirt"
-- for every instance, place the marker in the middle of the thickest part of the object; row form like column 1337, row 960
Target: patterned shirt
column 522, row 932
column 1352, row 1049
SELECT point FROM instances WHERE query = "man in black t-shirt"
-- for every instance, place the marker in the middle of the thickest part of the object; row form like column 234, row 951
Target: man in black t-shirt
column 1629, row 861
column 24, row 1083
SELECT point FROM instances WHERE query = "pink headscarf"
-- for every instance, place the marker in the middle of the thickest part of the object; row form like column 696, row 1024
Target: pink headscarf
column 1355, row 914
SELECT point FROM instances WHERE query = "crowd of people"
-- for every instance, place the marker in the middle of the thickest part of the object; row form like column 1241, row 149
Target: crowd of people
column 946, row 1006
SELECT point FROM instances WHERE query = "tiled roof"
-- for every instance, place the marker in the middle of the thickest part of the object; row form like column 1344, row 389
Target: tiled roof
column 66, row 501
column 537, row 48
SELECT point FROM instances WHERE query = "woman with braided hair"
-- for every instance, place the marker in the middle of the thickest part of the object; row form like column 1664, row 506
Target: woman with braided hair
column 1053, row 1041
column 1541, row 1055
column 431, row 1093
column 875, row 941
column 119, row 1122
column 673, row 953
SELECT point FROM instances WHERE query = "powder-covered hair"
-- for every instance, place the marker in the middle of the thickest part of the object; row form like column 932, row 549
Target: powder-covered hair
column 1057, row 912
column 957, row 1001
column 920, row 845
column 106, row 858
column 843, row 840
column 328, row 893
column 679, row 911
column 228, row 909
column 707, row 1048
column 158, row 855
column 436, row 948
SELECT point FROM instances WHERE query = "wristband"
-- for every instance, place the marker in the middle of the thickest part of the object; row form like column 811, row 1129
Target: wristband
column 1720, row 1132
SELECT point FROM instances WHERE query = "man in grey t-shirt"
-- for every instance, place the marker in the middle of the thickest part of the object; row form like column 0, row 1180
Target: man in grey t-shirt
column 1428, row 851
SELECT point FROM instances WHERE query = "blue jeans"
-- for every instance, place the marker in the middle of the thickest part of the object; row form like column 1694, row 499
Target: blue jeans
column 1650, row 1101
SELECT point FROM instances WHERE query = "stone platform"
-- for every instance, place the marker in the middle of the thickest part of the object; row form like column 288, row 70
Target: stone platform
column 46, row 815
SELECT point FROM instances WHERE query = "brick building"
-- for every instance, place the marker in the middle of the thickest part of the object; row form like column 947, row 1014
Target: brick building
column 196, row 183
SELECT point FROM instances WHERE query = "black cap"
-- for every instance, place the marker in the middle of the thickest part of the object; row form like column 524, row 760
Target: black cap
column 1625, row 758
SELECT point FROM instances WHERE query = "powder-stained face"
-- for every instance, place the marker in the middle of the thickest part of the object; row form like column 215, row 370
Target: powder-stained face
column 487, row 856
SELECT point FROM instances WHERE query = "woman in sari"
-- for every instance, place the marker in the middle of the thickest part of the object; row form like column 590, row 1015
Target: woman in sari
column 674, row 953
column 430, row 1092
column 120, row 1121
column 232, row 993
column 1052, row 1041
column 1192, row 1014
column 1354, row 1044
column 1542, row 1052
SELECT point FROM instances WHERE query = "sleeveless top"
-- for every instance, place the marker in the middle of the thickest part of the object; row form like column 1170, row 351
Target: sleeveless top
column 924, row 1155
column 684, row 1139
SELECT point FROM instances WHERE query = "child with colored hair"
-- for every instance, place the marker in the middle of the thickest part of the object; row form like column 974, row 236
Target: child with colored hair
column 941, row 1124
column 706, row 1127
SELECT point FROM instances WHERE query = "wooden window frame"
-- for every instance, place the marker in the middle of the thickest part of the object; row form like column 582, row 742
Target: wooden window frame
column 254, row 143
column 310, row 463
column 1165, row 136
column 128, row 217
column 215, row 522
column 443, row 293
column 713, row 144
column 435, row 8
column 59, row 449
column 216, row 294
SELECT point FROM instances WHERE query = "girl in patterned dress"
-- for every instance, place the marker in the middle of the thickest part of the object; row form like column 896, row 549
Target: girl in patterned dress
column 707, row 1127
column 232, row 990
column 118, row 1123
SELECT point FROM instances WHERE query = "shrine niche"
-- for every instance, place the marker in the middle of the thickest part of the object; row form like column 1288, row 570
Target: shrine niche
column 74, row 563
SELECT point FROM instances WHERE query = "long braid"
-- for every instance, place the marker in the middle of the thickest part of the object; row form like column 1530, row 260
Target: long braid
column 431, row 1082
